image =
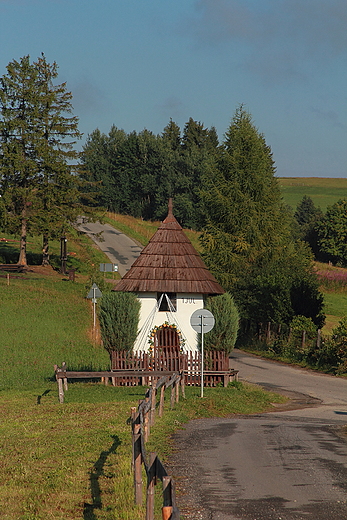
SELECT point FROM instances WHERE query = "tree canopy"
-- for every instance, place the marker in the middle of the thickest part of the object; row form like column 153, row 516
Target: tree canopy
column 332, row 233
column 136, row 173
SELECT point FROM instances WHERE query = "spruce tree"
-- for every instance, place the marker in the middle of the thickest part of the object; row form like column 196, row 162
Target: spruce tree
column 247, row 238
column 37, row 137
column 58, row 130
column 19, row 143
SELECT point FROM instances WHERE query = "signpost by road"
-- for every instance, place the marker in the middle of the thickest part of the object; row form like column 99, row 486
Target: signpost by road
column 93, row 294
column 108, row 268
column 202, row 321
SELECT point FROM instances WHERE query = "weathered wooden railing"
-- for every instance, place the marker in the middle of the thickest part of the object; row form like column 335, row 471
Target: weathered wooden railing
column 142, row 419
column 142, row 377
column 216, row 364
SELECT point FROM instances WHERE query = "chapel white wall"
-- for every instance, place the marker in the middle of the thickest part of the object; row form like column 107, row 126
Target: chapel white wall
column 186, row 305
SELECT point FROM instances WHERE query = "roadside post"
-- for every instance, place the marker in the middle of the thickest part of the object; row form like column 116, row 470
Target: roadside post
column 202, row 321
column 94, row 294
column 63, row 254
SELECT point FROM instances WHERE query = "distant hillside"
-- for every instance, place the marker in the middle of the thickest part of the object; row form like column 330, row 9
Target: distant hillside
column 323, row 191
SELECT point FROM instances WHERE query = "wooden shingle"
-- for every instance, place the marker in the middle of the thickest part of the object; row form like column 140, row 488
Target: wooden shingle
column 169, row 263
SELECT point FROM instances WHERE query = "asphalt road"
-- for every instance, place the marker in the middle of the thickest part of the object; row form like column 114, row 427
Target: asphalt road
column 119, row 248
column 284, row 465
column 290, row 464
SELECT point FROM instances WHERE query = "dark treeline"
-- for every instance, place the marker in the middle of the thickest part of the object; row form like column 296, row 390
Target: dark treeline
column 136, row 173
column 228, row 191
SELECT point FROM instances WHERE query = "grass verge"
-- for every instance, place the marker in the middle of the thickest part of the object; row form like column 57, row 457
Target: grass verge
column 45, row 320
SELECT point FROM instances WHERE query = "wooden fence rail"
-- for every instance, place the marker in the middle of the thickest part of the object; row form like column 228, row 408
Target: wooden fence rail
column 142, row 419
column 216, row 363
column 62, row 376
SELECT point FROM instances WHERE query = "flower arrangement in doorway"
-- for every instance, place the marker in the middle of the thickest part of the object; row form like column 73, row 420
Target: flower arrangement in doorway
column 166, row 324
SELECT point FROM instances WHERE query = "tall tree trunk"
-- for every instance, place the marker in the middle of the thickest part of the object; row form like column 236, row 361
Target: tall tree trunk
column 45, row 250
column 23, row 240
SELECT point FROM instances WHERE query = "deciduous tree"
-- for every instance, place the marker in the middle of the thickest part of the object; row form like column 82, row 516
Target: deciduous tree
column 332, row 233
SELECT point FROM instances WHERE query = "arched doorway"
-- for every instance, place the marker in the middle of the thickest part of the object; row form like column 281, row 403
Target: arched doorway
column 166, row 352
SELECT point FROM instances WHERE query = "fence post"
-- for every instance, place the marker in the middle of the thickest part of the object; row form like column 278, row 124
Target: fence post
column 303, row 339
column 151, row 481
column 60, row 390
column 167, row 499
column 137, row 455
column 177, row 387
column 146, row 425
column 183, row 385
column 319, row 338
column 161, row 403
column 60, row 384
column 268, row 332
column 153, row 400
column 65, row 378
column 172, row 398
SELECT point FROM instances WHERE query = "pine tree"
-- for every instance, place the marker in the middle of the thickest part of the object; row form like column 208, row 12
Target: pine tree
column 37, row 137
column 247, row 237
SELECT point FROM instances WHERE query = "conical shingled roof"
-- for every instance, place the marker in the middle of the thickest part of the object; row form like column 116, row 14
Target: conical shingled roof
column 170, row 264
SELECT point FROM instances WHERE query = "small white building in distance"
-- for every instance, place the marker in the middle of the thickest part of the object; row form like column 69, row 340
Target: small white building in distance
column 170, row 280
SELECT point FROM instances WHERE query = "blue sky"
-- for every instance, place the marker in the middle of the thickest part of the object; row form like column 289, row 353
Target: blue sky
column 138, row 63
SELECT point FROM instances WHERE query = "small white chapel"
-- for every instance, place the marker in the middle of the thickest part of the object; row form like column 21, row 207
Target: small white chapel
column 171, row 281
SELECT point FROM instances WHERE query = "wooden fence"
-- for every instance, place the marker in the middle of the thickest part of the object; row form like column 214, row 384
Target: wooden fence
column 142, row 419
column 62, row 376
column 268, row 332
column 216, row 366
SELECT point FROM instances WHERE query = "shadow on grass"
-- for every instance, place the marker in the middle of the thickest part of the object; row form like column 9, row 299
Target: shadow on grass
column 39, row 397
column 95, row 474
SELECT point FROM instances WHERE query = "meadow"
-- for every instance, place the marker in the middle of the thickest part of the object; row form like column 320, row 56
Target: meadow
column 73, row 460
column 323, row 191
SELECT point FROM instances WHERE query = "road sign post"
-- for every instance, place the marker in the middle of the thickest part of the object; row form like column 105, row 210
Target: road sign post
column 202, row 321
column 93, row 294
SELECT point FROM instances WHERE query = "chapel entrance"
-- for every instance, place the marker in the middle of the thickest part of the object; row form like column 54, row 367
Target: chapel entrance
column 167, row 348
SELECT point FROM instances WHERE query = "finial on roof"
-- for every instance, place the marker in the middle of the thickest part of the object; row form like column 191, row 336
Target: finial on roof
column 170, row 207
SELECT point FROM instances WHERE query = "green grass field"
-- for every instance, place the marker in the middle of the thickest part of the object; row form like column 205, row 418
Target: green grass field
column 323, row 191
column 73, row 461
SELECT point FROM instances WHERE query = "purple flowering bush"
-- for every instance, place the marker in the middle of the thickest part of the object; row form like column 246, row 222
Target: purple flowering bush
column 333, row 279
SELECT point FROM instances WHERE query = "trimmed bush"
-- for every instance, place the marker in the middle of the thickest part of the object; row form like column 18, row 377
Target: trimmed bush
column 119, row 318
column 224, row 333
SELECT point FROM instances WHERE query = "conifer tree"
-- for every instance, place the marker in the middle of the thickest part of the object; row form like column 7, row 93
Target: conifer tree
column 37, row 137
column 247, row 237
column 19, row 169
